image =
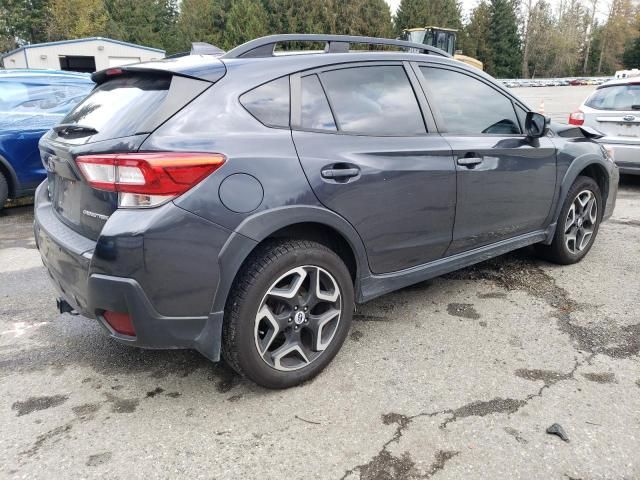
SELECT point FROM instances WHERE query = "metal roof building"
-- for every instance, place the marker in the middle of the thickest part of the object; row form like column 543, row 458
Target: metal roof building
column 79, row 55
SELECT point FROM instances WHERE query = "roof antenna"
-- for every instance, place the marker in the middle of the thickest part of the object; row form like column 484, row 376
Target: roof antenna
column 203, row 48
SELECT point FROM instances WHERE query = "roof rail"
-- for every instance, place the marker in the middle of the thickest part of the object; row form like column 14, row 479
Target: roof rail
column 265, row 46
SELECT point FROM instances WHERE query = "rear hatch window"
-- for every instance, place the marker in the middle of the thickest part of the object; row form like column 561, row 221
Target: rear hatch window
column 131, row 105
column 618, row 97
column 118, row 108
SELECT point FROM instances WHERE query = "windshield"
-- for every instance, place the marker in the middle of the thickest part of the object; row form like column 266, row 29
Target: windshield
column 38, row 105
column 416, row 36
column 618, row 97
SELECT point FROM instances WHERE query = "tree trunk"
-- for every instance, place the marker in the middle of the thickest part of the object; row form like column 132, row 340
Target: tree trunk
column 605, row 34
column 604, row 42
column 527, row 42
column 585, row 66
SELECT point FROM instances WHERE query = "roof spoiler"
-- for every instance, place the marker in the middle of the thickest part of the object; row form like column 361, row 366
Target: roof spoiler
column 203, row 48
column 200, row 67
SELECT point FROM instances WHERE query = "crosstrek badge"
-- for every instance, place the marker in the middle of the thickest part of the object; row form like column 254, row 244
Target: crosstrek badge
column 95, row 215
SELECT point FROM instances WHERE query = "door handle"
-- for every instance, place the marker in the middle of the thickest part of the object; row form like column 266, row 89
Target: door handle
column 469, row 161
column 339, row 173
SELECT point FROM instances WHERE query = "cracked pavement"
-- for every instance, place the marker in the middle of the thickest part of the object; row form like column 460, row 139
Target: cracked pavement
column 458, row 377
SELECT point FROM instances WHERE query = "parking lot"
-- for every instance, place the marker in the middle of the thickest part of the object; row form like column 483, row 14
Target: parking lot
column 558, row 102
column 458, row 377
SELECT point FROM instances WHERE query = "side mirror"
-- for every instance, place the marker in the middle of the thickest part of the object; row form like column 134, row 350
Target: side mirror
column 536, row 125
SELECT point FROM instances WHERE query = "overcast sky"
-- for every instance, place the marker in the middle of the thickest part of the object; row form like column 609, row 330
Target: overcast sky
column 467, row 6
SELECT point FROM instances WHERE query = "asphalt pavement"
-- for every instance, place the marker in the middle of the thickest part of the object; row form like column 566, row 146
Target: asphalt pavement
column 458, row 377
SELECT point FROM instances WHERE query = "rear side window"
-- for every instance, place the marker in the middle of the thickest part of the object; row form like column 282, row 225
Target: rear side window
column 618, row 97
column 376, row 100
column 269, row 103
column 469, row 106
column 119, row 107
column 316, row 114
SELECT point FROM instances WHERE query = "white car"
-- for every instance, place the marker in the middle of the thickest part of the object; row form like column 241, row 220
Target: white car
column 614, row 109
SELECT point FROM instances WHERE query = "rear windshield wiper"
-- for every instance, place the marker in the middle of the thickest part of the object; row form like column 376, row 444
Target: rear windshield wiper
column 65, row 129
column 635, row 107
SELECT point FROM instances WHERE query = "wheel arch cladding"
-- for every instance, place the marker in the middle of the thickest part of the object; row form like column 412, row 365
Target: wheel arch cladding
column 304, row 223
column 325, row 235
column 587, row 165
column 600, row 175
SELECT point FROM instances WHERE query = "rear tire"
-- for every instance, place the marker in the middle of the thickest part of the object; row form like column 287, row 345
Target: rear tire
column 578, row 223
column 4, row 190
column 288, row 313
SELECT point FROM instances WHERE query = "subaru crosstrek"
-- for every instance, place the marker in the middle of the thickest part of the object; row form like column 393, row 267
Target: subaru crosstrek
column 242, row 205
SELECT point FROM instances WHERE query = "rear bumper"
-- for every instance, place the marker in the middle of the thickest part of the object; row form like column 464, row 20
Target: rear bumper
column 69, row 260
column 627, row 157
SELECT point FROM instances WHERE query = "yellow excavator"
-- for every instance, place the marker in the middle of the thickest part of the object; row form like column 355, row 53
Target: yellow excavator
column 442, row 38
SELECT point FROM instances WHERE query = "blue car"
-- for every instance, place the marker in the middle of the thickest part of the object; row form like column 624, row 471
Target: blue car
column 31, row 102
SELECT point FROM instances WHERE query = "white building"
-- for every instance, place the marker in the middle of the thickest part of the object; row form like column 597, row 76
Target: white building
column 81, row 55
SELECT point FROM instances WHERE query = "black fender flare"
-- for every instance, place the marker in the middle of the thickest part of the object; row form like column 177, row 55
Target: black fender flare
column 245, row 238
column 574, row 170
column 261, row 225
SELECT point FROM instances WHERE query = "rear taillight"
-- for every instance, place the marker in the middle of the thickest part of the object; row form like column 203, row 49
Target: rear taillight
column 576, row 118
column 148, row 179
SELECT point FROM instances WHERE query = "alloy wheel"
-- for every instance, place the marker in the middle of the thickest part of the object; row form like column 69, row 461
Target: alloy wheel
column 581, row 221
column 298, row 318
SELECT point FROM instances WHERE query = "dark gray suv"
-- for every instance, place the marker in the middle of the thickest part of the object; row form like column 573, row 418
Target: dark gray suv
column 241, row 205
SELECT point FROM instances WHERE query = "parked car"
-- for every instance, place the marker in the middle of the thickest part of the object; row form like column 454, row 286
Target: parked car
column 31, row 102
column 614, row 109
column 242, row 205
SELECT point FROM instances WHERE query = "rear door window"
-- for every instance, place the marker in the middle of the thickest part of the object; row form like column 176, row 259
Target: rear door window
column 468, row 106
column 269, row 103
column 373, row 100
column 316, row 113
column 119, row 107
column 618, row 97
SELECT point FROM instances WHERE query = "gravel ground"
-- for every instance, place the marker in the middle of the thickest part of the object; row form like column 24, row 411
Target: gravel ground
column 458, row 377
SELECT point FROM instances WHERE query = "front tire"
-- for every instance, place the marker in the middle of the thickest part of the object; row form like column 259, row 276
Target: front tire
column 577, row 225
column 288, row 314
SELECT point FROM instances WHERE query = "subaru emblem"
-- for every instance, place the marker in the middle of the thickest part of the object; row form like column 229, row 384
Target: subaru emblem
column 629, row 118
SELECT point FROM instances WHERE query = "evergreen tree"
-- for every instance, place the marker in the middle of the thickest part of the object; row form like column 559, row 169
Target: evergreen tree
column 295, row 16
column 201, row 21
column 631, row 55
column 247, row 19
column 422, row 13
column 147, row 22
column 597, row 36
column 22, row 21
column 76, row 19
column 476, row 35
column 363, row 17
column 504, row 39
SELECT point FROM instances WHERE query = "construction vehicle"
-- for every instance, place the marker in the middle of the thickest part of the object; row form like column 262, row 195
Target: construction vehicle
column 442, row 38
